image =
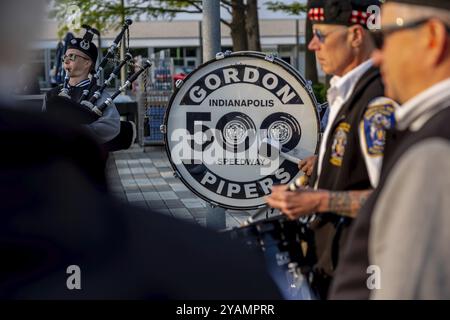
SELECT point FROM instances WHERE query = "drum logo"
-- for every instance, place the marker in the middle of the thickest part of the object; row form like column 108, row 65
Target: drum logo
column 228, row 125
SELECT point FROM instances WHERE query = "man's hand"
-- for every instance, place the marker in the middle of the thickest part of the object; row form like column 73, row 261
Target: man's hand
column 296, row 203
column 307, row 165
column 303, row 201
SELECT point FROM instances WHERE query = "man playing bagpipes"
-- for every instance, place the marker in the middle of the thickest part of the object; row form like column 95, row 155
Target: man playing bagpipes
column 79, row 62
column 82, row 101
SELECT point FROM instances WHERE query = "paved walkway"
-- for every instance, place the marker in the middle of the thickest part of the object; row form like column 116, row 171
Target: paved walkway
column 144, row 177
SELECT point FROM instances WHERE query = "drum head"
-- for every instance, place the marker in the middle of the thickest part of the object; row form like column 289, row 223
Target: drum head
column 218, row 122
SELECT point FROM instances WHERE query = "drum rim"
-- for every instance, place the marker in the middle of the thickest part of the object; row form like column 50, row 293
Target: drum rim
column 290, row 69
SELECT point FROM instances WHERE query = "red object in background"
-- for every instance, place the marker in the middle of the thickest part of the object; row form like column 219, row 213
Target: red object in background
column 181, row 73
column 179, row 76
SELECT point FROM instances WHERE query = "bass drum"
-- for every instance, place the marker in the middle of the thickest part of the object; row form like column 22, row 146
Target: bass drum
column 219, row 117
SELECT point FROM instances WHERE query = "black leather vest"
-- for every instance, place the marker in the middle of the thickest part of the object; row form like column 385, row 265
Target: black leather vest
column 351, row 275
column 343, row 168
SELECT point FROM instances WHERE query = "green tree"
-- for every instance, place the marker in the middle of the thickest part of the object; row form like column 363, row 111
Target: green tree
column 297, row 8
column 109, row 15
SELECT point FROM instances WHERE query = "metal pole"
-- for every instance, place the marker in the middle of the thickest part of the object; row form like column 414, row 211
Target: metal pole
column 200, row 37
column 297, row 45
column 211, row 29
column 122, row 47
column 215, row 216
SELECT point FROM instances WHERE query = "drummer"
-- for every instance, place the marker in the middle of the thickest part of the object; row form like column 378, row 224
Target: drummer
column 351, row 150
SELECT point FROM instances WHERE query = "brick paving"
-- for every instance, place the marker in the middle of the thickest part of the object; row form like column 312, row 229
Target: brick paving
column 144, row 177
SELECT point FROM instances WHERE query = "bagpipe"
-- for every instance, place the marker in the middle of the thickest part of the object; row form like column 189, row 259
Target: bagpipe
column 109, row 54
column 84, row 109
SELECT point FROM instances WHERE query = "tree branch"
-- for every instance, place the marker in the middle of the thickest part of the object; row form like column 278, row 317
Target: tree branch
column 294, row 8
column 195, row 4
column 225, row 22
column 226, row 8
column 162, row 10
column 226, row 2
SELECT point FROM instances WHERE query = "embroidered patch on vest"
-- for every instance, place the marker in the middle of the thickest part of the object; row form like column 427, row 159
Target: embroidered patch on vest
column 378, row 118
column 339, row 143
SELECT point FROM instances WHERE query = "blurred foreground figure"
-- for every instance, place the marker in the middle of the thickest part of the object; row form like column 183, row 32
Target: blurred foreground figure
column 405, row 255
column 63, row 237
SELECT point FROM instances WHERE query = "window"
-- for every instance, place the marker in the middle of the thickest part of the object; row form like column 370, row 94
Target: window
column 178, row 62
column 143, row 52
column 286, row 59
column 191, row 52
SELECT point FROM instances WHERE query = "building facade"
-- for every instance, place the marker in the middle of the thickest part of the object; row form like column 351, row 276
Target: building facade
column 181, row 40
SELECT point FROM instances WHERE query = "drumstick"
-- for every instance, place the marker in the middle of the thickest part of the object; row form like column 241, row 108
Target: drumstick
column 254, row 216
column 296, row 155
column 301, row 181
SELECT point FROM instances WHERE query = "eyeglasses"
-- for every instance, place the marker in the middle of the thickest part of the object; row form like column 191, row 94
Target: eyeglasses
column 320, row 35
column 380, row 35
column 71, row 57
column 390, row 29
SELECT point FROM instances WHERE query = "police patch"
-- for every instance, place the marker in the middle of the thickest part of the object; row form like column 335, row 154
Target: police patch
column 378, row 118
column 339, row 143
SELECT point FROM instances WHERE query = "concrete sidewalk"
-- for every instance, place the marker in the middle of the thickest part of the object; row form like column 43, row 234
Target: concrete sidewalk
column 144, row 177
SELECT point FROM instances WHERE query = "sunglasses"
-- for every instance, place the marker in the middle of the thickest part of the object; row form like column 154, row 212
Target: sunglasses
column 380, row 35
column 321, row 35
column 71, row 57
